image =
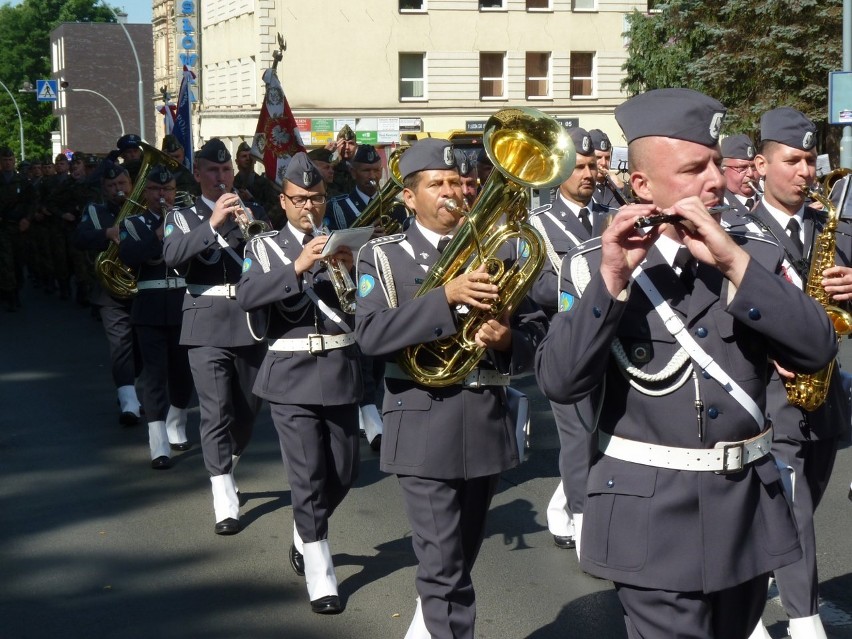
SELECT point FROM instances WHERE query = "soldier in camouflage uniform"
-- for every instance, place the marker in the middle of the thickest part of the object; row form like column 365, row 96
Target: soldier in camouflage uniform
column 346, row 146
column 252, row 187
column 16, row 198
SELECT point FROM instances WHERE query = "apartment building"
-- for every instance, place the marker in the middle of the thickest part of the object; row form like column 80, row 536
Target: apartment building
column 394, row 68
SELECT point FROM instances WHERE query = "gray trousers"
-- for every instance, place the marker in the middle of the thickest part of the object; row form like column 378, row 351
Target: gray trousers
column 119, row 334
column 728, row 614
column 320, row 448
column 812, row 461
column 447, row 518
column 223, row 380
column 577, row 446
column 167, row 379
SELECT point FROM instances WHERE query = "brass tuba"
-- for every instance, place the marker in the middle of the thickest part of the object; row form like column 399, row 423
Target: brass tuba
column 379, row 208
column 529, row 150
column 115, row 276
column 809, row 391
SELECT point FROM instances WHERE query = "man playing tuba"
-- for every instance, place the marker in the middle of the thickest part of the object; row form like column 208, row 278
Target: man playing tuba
column 447, row 445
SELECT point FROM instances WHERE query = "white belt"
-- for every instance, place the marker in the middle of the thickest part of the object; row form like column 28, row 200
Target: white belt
column 313, row 343
column 726, row 457
column 169, row 282
column 222, row 290
column 478, row 378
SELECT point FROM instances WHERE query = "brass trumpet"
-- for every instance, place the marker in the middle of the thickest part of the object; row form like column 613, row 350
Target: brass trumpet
column 340, row 279
column 249, row 225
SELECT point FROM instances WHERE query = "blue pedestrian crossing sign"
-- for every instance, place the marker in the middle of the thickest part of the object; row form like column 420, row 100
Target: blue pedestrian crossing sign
column 46, row 90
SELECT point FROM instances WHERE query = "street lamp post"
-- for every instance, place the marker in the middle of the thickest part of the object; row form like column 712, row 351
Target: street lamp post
column 20, row 119
column 138, row 69
column 117, row 114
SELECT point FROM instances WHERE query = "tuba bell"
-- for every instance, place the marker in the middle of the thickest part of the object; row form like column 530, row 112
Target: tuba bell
column 380, row 207
column 115, row 276
column 529, row 150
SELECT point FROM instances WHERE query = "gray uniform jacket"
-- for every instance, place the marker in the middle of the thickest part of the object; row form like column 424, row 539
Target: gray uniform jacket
column 678, row 530
column 344, row 210
column 441, row 433
column 190, row 245
column 90, row 235
column 832, row 418
column 563, row 231
column 330, row 378
column 142, row 250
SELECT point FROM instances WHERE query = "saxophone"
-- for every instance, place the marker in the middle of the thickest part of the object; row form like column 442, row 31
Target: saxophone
column 809, row 391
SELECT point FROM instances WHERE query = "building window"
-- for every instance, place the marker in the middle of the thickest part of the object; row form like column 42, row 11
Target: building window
column 582, row 74
column 412, row 5
column 538, row 75
column 584, row 5
column 492, row 76
column 412, row 76
column 654, row 6
column 538, row 5
column 492, row 5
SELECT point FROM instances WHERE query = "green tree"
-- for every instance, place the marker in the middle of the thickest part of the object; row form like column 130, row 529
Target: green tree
column 25, row 56
column 752, row 55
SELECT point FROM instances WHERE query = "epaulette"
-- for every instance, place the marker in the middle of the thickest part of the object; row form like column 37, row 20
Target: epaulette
column 339, row 197
column 387, row 239
column 592, row 244
column 544, row 208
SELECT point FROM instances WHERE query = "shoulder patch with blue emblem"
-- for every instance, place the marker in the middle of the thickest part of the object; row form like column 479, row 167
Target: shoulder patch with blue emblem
column 169, row 229
column 122, row 235
column 365, row 285
column 524, row 249
column 566, row 301
column 246, row 264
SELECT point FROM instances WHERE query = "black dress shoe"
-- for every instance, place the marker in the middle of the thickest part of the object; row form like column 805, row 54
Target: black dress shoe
column 161, row 463
column 181, row 446
column 566, row 543
column 297, row 561
column 128, row 419
column 376, row 444
column 329, row 605
column 229, row 526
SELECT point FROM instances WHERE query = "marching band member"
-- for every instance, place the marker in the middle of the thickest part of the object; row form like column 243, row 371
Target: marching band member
column 804, row 441
column 448, row 445
column 156, row 317
column 685, row 510
column 571, row 220
column 366, row 173
column 740, row 175
column 205, row 243
column 310, row 375
column 94, row 233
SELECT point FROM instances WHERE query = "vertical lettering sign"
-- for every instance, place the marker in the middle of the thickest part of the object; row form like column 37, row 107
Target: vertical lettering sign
column 188, row 47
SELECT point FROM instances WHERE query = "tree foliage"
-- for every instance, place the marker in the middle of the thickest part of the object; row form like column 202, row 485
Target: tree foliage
column 25, row 57
column 752, row 55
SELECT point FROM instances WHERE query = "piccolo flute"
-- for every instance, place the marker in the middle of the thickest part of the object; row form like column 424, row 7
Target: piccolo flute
column 648, row 221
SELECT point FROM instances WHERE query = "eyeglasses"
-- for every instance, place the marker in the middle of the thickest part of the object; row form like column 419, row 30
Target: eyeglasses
column 739, row 169
column 299, row 201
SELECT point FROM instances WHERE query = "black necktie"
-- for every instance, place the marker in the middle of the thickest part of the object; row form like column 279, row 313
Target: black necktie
column 308, row 237
column 686, row 263
column 793, row 229
column 585, row 221
column 442, row 243
column 749, row 204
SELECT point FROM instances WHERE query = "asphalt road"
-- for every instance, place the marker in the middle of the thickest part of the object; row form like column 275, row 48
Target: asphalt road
column 95, row 544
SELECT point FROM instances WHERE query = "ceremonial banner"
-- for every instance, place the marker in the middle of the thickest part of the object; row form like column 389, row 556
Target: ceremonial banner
column 277, row 137
column 168, row 111
column 183, row 119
